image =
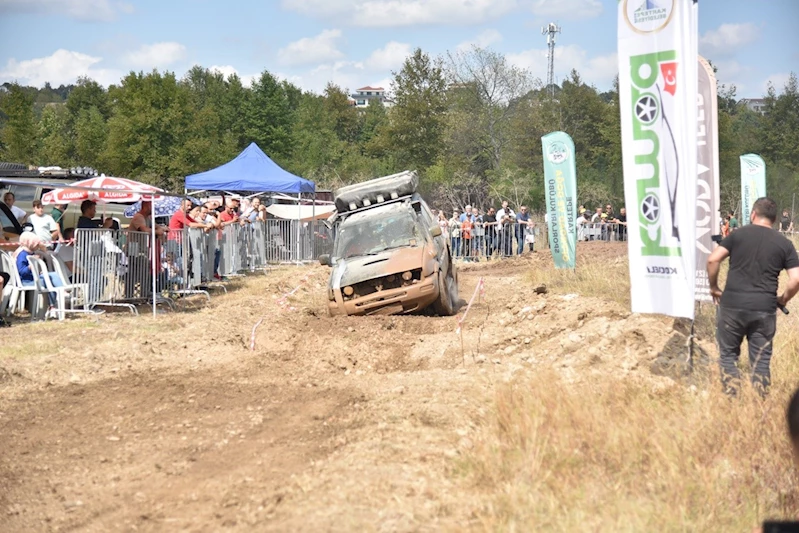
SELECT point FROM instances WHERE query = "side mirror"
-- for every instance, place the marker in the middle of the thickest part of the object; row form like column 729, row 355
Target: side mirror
column 324, row 259
column 435, row 231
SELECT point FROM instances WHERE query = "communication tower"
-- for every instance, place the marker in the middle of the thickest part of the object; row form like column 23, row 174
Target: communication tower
column 550, row 30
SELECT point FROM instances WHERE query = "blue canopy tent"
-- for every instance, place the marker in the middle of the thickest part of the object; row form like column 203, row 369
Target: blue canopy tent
column 251, row 170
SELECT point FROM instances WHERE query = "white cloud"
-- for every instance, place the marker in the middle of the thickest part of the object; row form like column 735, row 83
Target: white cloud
column 485, row 39
column 597, row 70
column 727, row 39
column 374, row 71
column 390, row 57
column 567, row 9
column 228, row 70
column 90, row 10
column 392, row 13
column 62, row 67
column 157, row 55
column 349, row 75
column 312, row 50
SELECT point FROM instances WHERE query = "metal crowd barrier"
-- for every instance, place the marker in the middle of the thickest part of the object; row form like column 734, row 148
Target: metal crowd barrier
column 115, row 265
column 181, row 268
column 602, row 231
column 495, row 240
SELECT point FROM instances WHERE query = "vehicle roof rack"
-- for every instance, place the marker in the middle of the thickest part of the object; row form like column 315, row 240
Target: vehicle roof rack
column 399, row 199
column 377, row 191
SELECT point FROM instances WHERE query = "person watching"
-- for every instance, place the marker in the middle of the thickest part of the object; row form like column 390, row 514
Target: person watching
column 44, row 226
column 88, row 210
column 143, row 218
column 786, row 223
column 9, row 198
column 58, row 215
column 30, row 245
column 748, row 304
column 229, row 215
column 66, row 250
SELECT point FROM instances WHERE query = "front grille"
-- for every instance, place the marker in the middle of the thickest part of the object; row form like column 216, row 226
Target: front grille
column 392, row 281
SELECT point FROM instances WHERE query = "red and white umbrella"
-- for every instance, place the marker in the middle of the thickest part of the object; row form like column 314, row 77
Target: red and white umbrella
column 102, row 189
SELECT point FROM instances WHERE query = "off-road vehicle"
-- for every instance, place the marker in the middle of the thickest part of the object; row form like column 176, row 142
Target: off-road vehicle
column 389, row 255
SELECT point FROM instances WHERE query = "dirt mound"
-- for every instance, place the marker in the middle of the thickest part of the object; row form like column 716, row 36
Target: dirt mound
column 121, row 422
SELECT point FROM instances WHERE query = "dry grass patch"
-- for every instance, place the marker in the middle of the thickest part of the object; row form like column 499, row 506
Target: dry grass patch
column 622, row 456
column 607, row 279
column 614, row 455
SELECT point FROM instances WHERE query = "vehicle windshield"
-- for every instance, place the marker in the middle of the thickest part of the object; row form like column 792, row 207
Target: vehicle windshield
column 372, row 235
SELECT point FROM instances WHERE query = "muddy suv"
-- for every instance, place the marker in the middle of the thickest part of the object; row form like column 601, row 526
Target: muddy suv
column 389, row 255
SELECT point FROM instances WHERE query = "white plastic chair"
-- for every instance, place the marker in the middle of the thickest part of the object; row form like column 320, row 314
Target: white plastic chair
column 41, row 275
column 17, row 296
column 8, row 289
column 61, row 269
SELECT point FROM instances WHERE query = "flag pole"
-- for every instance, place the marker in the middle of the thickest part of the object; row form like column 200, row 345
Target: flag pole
column 153, row 249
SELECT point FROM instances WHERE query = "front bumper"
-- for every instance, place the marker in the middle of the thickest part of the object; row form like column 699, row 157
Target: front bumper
column 390, row 301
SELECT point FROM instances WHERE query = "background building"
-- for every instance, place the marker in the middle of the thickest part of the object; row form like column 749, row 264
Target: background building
column 758, row 105
column 362, row 96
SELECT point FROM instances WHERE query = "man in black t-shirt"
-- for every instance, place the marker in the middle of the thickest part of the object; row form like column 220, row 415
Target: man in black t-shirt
column 747, row 307
column 786, row 224
column 88, row 209
column 621, row 220
column 490, row 223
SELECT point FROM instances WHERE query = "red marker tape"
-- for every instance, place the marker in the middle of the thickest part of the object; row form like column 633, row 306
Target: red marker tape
column 477, row 290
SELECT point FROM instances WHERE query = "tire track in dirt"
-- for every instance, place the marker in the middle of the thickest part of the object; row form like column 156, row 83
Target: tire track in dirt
column 330, row 424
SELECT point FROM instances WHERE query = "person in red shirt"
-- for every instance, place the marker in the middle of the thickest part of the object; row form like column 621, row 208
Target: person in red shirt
column 228, row 216
column 181, row 219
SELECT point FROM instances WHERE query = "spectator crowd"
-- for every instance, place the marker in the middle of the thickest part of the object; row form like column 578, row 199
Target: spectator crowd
column 474, row 234
column 44, row 238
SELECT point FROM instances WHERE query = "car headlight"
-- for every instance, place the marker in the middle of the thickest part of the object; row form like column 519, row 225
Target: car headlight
column 348, row 290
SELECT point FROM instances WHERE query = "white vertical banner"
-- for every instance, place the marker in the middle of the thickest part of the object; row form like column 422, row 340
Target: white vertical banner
column 657, row 42
column 753, row 184
column 707, row 186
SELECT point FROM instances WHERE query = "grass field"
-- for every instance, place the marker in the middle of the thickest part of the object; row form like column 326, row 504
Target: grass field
column 614, row 455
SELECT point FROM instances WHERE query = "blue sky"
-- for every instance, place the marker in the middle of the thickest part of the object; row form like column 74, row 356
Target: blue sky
column 360, row 42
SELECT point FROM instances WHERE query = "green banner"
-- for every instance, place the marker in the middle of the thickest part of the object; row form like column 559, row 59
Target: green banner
column 560, row 184
column 753, row 184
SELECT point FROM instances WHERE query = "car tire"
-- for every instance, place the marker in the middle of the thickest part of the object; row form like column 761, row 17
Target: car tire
column 447, row 302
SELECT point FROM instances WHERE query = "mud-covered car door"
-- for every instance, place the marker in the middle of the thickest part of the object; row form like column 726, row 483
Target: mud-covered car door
column 429, row 222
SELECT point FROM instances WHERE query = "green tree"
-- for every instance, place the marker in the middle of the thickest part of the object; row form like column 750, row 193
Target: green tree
column 86, row 94
column 372, row 120
column 149, row 125
column 19, row 130
column 485, row 90
column 344, row 116
column 54, row 140
column 417, row 120
column 269, row 116
column 90, row 133
column 781, row 125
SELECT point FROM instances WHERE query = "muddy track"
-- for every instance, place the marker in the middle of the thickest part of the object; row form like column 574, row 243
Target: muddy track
column 331, row 424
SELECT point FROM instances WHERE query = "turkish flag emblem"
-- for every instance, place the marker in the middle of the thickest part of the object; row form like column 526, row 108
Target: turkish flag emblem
column 669, row 71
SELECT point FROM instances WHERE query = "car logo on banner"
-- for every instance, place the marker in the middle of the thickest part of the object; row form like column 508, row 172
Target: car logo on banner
column 646, row 109
column 650, row 208
column 557, row 153
column 648, row 16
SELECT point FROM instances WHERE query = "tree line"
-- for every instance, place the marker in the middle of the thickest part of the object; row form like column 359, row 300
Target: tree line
column 469, row 121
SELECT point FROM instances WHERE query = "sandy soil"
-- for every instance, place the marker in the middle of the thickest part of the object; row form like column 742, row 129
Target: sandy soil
column 347, row 424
